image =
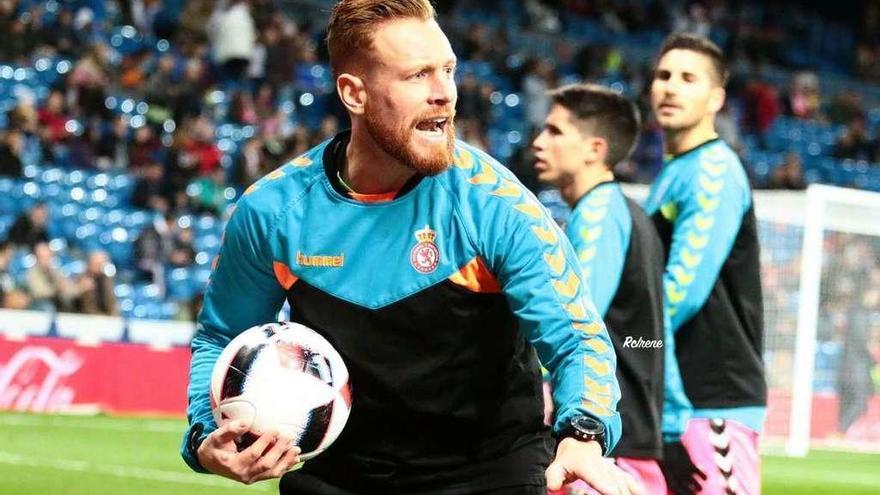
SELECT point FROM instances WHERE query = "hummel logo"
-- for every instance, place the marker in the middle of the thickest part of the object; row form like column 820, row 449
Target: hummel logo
column 325, row 261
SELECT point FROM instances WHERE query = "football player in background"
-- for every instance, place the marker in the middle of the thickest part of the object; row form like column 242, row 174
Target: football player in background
column 588, row 131
column 450, row 276
column 701, row 204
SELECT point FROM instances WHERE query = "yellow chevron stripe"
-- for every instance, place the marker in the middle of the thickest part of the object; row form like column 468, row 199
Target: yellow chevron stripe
column 598, row 346
column 714, row 169
column 596, row 409
column 603, row 400
column 697, row 241
column 704, row 222
column 463, row 159
column 568, row 288
column 598, row 201
column 706, row 203
column 275, row 174
column 711, row 186
column 530, row 209
column 508, row 189
column 556, row 262
column 586, row 272
column 595, row 388
column 253, row 187
column 674, row 296
column 576, row 310
column 587, row 254
column 669, row 211
column 301, row 161
column 592, row 328
column 486, row 177
column 672, row 311
column 591, row 234
column 594, row 216
column 682, row 276
column 690, row 260
column 600, row 368
column 546, row 235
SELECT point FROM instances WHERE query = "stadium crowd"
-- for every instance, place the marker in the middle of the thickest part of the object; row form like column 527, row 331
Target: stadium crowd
column 184, row 104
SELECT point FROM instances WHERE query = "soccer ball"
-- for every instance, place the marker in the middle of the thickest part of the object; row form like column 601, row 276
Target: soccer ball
column 284, row 377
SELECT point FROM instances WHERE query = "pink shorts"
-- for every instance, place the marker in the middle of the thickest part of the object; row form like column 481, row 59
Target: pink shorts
column 645, row 471
column 727, row 452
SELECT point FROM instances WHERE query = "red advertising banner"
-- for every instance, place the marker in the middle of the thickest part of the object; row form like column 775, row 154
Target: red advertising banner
column 47, row 375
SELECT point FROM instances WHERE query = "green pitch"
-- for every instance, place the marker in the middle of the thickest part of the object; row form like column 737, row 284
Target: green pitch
column 51, row 455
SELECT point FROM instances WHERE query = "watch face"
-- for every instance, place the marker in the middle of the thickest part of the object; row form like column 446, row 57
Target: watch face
column 588, row 425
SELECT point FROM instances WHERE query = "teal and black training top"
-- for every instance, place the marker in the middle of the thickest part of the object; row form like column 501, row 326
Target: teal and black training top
column 701, row 204
column 437, row 300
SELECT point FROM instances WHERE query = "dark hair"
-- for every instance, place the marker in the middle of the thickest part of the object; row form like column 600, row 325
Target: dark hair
column 603, row 113
column 701, row 45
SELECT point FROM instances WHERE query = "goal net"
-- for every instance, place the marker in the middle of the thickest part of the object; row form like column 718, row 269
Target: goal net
column 821, row 280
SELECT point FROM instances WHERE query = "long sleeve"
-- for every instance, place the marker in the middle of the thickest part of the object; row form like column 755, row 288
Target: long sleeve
column 539, row 273
column 599, row 230
column 242, row 292
column 706, row 216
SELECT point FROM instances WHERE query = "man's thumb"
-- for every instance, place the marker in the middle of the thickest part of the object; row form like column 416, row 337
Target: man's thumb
column 555, row 474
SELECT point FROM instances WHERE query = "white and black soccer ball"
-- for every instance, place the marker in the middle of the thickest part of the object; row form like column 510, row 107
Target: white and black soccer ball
column 284, row 377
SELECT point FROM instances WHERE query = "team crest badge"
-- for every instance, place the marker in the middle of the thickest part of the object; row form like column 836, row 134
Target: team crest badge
column 425, row 256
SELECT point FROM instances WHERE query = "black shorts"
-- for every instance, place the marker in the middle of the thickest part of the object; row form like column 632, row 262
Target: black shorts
column 305, row 484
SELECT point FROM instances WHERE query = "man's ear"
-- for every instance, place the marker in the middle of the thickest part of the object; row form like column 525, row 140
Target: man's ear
column 597, row 150
column 351, row 92
column 716, row 99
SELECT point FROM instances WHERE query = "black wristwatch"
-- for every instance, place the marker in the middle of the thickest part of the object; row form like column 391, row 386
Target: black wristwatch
column 195, row 439
column 585, row 429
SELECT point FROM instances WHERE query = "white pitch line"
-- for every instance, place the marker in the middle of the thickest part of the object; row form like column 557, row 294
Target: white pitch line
column 115, row 470
column 89, row 424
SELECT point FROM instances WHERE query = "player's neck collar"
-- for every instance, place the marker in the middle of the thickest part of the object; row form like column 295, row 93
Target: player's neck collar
column 334, row 164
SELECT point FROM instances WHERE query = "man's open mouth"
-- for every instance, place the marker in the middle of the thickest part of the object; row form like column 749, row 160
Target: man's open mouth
column 432, row 128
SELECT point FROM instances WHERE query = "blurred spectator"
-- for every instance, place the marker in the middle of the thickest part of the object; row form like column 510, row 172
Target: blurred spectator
column 153, row 247
column 472, row 104
column 182, row 253
column 208, row 192
column 149, row 191
column 88, row 81
column 804, row 100
column 11, row 295
column 190, row 91
column 113, row 146
column 95, row 287
column 199, row 150
column 250, row 164
column 48, row 287
column 846, row 107
column 30, row 227
column 761, row 107
column 143, row 149
column 789, row 174
column 854, row 143
column 52, row 117
column 233, row 37
column 11, row 148
column 538, row 79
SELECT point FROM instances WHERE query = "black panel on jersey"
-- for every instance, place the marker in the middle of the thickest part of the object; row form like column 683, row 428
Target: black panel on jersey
column 637, row 311
column 445, row 393
column 719, row 349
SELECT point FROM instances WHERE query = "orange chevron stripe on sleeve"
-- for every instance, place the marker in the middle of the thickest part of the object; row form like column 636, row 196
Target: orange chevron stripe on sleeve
column 283, row 274
column 476, row 277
